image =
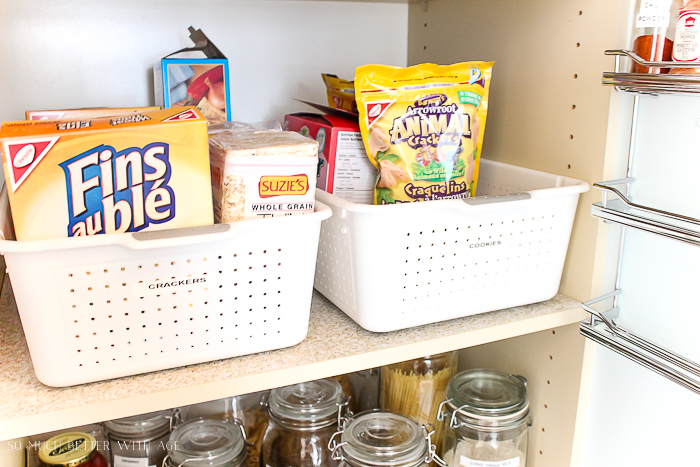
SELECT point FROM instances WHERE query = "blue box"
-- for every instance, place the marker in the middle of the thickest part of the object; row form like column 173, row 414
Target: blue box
column 201, row 82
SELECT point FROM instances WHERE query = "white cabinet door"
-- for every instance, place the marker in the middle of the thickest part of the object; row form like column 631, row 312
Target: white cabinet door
column 636, row 417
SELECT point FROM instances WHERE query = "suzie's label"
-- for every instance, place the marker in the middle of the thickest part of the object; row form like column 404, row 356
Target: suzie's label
column 283, row 185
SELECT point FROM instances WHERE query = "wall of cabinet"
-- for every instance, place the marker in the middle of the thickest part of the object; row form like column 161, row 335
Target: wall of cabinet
column 548, row 112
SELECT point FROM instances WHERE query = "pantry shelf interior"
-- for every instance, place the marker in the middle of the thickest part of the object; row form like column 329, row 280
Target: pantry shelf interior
column 335, row 345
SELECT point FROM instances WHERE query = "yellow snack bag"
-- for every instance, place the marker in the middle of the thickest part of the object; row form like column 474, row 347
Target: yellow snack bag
column 341, row 93
column 423, row 127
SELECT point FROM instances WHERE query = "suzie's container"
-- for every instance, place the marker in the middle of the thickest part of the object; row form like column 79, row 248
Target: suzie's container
column 386, row 439
column 139, row 441
column 487, row 416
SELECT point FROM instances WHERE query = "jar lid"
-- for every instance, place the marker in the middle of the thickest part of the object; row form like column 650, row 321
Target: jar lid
column 145, row 425
column 68, row 449
column 383, row 439
column 205, row 443
column 488, row 398
column 313, row 402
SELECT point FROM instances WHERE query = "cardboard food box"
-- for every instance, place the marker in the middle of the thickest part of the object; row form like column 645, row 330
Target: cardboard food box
column 343, row 166
column 262, row 174
column 201, row 82
column 82, row 114
column 143, row 171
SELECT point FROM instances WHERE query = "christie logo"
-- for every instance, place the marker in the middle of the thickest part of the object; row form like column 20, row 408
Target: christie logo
column 283, row 185
column 485, row 244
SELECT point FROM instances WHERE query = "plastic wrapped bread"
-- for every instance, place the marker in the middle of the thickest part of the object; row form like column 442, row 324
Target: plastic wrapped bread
column 262, row 174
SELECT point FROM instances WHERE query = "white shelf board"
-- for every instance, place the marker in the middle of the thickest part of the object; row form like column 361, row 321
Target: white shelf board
column 335, row 345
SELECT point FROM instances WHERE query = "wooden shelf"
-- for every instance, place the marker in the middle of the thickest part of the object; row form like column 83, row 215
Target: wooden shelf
column 335, row 345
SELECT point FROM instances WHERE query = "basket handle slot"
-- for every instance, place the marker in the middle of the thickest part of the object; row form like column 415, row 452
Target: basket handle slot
column 481, row 200
column 178, row 233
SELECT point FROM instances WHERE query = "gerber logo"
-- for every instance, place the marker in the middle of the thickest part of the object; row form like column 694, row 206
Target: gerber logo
column 118, row 191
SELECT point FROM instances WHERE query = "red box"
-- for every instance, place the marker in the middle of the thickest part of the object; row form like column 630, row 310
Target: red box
column 343, row 166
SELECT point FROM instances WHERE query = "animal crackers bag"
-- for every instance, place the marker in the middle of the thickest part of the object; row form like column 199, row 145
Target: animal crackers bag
column 423, row 128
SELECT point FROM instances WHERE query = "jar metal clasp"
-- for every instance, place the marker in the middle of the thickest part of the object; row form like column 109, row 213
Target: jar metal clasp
column 441, row 414
column 334, row 446
column 432, row 456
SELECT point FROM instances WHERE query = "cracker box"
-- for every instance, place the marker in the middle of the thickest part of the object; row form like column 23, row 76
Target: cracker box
column 82, row 114
column 144, row 171
column 258, row 174
column 343, row 166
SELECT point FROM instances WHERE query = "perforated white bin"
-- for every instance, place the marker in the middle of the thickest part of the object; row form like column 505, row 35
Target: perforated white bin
column 107, row 306
column 399, row 266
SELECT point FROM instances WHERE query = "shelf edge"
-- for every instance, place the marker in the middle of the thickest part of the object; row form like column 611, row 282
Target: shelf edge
column 66, row 418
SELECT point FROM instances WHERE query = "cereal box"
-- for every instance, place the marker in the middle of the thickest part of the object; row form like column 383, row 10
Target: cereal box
column 82, row 114
column 143, row 171
column 343, row 166
column 262, row 174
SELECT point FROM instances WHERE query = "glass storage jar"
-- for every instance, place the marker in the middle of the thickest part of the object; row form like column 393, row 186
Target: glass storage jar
column 654, row 29
column 71, row 450
column 139, row 441
column 303, row 417
column 486, row 415
column 415, row 388
column 250, row 409
column 207, row 443
column 386, row 439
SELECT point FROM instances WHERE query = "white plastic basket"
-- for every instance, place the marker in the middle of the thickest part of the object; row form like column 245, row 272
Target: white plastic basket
column 91, row 308
column 399, row 266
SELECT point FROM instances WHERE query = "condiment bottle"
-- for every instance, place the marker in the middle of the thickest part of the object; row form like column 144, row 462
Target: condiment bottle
column 386, row 439
column 654, row 31
column 139, row 441
column 415, row 388
column 487, row 415
column 207, row 443
column 686, row 45
column 303, row 417
column 71, row 450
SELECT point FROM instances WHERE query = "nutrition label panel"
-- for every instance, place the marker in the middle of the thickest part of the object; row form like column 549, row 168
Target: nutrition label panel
column 354, row 174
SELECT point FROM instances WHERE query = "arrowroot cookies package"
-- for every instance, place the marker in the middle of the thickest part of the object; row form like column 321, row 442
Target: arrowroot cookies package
column 423, row 127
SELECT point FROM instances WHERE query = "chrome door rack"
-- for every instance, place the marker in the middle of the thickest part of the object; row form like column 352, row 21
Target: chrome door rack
column 624, row 212
column 602, row 329
column 650, row 83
